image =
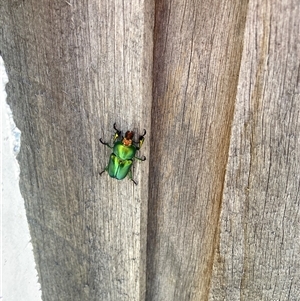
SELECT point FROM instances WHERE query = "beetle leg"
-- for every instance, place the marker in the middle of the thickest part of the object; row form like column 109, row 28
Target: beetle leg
column 118, row 132
column 130, row 177
column 105, row 143
column 141, row 140
column 141, row 159
column 105, row 169
column 115, row 127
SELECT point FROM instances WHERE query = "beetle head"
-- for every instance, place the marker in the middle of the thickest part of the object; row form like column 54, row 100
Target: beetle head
column 127, row 140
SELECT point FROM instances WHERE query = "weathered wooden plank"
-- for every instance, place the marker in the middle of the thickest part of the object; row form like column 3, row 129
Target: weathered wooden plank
column 259, row 251
column 197, row 54
column 75, row 68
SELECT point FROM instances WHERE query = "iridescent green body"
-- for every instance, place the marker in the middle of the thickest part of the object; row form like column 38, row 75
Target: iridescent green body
column 121, row 160
column 117, row 168
column 124, row 152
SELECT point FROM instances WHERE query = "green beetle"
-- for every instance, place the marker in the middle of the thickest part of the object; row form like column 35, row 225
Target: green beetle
column 121, row 159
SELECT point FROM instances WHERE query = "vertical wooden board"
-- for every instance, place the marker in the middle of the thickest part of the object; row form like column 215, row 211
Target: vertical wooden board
column 259, row 251
column 75, row 68
column 197, row 53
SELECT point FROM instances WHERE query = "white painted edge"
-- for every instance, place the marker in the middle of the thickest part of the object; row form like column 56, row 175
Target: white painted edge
column 18, row 274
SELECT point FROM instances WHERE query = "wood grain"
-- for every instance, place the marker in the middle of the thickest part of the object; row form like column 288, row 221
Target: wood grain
column 76, row 68
column 258, row 252
column 216, row 209
column 197, row 55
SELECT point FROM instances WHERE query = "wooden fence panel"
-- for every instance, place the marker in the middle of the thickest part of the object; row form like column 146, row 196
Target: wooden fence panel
column 75, row 68
column 221, row 110
column 197, row 53
column 258, row 255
